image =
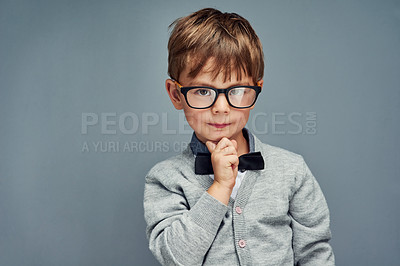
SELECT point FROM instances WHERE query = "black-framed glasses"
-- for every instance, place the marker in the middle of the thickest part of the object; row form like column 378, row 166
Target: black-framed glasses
column 202, row 97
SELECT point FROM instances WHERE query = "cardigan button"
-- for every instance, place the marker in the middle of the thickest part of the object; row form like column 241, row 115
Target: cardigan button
column 242, row 243
column 238, row 210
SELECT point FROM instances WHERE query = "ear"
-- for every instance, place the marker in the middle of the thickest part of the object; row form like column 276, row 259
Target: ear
column 259, row 83
column 174, row 94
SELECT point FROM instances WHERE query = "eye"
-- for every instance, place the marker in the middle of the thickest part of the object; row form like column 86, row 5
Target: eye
column 203, row 92
column 237, row 92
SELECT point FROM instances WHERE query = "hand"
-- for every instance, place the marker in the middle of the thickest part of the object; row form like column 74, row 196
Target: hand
column 225, row 161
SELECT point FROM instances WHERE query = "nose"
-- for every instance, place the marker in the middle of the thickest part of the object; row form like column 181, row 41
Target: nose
column 221, row 105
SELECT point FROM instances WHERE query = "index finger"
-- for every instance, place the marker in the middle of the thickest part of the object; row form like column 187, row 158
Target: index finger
column 223, row 143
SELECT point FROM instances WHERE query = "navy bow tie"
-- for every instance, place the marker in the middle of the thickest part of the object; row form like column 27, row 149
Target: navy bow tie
column 248, row 161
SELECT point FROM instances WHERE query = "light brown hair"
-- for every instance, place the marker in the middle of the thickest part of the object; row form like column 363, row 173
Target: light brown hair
column 226, row 38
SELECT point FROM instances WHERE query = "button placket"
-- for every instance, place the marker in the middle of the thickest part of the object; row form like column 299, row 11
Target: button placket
column 239, row 223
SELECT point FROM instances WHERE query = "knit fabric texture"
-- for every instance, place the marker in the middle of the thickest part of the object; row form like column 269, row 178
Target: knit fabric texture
column 279, row 215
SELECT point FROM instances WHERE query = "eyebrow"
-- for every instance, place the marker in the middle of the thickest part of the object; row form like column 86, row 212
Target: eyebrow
column 196, row 83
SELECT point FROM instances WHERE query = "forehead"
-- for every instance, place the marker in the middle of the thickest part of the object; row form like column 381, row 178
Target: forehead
column 214, row 75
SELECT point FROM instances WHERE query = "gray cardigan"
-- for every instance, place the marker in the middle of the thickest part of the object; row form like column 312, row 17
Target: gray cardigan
column 279, row 216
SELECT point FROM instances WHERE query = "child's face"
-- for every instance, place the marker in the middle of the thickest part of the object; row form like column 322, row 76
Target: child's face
column 218, row 121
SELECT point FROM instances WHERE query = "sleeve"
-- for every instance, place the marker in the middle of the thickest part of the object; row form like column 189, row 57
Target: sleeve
column 310, row 222
column 178, row 234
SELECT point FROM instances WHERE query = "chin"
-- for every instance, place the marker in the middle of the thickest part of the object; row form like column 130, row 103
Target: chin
column 217, row 136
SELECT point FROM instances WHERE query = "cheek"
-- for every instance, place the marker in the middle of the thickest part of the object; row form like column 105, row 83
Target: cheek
column 242, row 116
column 194, row 117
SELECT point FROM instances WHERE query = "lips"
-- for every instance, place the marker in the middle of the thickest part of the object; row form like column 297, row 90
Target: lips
column 217, row 125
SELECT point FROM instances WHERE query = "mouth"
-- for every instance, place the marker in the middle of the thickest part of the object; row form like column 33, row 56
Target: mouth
column 216, row 125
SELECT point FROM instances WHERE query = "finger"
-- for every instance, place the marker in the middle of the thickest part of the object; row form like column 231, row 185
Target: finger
column 210, row 146
column 223, row 143
column 233, row 160
column 229, row 150
column 235, row 169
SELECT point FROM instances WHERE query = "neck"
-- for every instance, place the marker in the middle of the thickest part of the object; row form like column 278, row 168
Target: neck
column 243, row 146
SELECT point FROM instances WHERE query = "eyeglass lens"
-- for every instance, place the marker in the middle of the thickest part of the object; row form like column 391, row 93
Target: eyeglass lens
column 204, row 97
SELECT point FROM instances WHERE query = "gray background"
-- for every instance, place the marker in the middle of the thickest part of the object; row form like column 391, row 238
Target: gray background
column 59, row 60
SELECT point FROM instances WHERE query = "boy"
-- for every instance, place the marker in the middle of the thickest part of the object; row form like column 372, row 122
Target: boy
column 210, row 205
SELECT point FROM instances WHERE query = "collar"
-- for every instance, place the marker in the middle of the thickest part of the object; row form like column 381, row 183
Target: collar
column 199, row 147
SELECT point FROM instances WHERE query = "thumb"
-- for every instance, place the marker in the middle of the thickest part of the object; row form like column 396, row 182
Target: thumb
column 210, row 146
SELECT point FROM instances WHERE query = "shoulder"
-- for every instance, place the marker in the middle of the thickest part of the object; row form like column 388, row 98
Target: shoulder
column 166, row 165
column 282, row 162
column 171, row 164
column 171, row 169
column 285, row 167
